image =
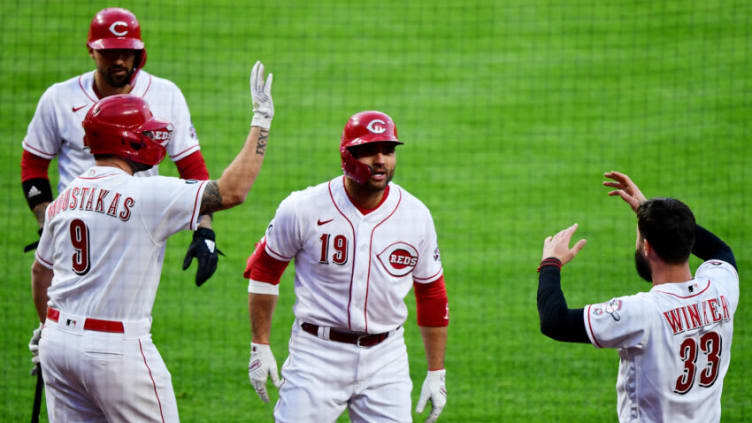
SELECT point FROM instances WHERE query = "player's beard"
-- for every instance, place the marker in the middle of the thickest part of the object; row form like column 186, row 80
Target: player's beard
column 372, row 186
column 643, row 266
column 115, row 80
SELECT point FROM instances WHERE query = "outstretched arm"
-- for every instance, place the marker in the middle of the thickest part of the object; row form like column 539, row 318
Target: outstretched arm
column 707, row 245
column 710, row 247
column 556, row 320
column 232, row 187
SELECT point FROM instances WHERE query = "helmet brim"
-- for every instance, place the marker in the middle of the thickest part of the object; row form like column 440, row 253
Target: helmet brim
column 116, row 44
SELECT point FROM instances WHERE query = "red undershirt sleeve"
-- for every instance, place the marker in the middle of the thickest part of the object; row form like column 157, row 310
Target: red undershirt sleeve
column 33, row 167
column 432, row 303
column 193, row 166
column 261, row 267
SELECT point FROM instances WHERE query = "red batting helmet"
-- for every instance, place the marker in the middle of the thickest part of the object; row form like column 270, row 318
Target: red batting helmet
column 363, row 128
column 122, row 125
column 116, row 28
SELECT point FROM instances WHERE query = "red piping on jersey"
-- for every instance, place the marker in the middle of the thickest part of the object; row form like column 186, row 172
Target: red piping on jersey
column 364, row 211
column 688, row 296
column 355, row 247
column 370, row 255
column 147, row 87
column 141, row 347
column 278, row 254
column 195, row 205
column 189, row 148
column 91, row 178
column 81, row 84
column 591, row 328
column 428, row 278
column 26, row 145
column 44, row 261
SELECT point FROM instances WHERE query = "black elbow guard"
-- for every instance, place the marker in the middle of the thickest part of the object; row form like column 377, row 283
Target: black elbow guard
column 37, row 191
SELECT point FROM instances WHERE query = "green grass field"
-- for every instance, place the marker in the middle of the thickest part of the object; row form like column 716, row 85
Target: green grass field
column 510, row 112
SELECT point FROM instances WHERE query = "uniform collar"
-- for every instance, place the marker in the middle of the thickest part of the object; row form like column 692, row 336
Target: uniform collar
column 342, row 201
column 140, row 85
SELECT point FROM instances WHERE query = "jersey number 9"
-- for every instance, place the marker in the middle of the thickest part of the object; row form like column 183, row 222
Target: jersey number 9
column 79, row 235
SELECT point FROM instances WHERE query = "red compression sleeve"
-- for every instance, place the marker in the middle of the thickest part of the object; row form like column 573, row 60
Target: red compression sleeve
column 262, row 267
column 193, row 167
column 432, row 303
column 33, row 166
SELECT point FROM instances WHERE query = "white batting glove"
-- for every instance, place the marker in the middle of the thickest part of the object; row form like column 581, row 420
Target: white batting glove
column 434, row 388
column 34, row 348
column 261, row 366
column 261, row 95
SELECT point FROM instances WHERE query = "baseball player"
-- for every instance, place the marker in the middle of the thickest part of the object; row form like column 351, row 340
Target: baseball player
column 99, row 260
column 115, row 45
column 674, row 341
column 359, row 242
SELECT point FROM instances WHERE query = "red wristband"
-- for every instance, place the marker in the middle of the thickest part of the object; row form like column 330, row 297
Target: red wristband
column 550, row 261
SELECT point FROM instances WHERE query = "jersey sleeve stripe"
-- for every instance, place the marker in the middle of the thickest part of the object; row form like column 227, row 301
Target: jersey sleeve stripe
column 28, row 147
column 589, row 328
column 276, row 255
column 430, row 278
column 184, row 153
column 43, row 262
column 193, row 224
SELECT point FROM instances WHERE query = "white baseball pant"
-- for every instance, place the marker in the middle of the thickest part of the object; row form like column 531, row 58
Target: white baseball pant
column 93, row 376
column 323, row 377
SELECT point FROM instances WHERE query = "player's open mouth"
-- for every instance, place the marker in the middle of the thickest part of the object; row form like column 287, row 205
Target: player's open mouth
column 379, row 176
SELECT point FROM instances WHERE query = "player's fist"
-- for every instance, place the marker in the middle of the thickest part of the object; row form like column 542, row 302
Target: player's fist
column 204, row 248
column 558, row 245
column 260, row 367
column 261, row 95
column 434, row 388
column 34, row 348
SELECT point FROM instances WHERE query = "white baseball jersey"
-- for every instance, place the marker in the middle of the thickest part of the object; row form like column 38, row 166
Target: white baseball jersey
column 674, row 345
column 55, row 129
column 104, row 238
column 352, row 270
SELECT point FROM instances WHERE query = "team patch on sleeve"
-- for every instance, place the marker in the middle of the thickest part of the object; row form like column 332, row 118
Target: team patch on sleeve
column 399, row 258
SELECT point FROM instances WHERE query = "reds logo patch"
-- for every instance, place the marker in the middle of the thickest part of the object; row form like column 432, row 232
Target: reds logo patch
column 399, row 259
column 377, row 126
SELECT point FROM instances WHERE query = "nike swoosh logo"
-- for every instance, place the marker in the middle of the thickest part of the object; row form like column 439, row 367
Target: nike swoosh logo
column 75, row 109
column 323, row 222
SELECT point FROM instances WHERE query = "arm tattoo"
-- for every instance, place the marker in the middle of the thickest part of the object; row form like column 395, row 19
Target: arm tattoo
column 261, row 143
column 211, row 201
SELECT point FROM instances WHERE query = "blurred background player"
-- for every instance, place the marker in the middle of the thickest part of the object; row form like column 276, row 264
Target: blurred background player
column 99, row 260
column 119, row 54
column 674, row 341
column 359, row 242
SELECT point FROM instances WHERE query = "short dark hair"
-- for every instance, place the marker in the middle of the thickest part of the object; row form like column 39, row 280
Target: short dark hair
column 669, row 226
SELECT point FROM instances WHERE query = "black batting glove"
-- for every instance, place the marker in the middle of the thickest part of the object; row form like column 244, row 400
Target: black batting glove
column 33, row 246
column 206, row 252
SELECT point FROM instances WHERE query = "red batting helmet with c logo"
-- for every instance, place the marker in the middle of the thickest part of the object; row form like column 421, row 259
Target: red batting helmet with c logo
column 363, row 128
column 117, row 29
column 122, row 125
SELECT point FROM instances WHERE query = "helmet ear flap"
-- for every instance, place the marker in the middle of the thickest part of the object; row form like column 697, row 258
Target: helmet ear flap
column 353, row 169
